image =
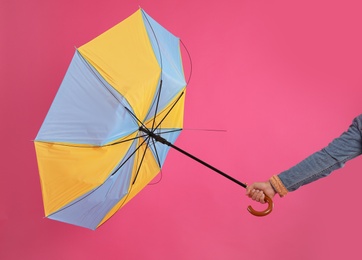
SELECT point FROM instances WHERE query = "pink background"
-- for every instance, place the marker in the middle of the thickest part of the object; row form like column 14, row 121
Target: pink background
column 282, row 77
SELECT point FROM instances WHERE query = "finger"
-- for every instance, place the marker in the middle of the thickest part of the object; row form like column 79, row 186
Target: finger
column 259, row 196
column 249, row 189
column 255, row 194
column 251, row 193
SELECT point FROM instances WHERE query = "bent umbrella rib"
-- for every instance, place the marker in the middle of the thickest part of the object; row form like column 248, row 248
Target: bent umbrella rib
column 143, row 156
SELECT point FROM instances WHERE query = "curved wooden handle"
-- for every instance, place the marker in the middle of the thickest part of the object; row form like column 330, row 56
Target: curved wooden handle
column 265, row 212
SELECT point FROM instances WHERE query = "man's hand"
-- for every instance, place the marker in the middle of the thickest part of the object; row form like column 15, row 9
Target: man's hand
column 257, row 191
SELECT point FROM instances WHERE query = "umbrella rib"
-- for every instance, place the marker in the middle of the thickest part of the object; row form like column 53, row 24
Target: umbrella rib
column 131, row 139
column 134, row 116
column 130, row 156
column 154, row 34
column 168, row 112
column 99, row 77
column 188, row 53
column 92, row 146
column 143, row 157
column 158, row 161
column 156, row 153
column 157, row 103
column 169, row 131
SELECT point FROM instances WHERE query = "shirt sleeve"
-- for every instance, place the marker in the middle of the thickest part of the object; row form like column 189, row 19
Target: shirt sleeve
column 322, row 163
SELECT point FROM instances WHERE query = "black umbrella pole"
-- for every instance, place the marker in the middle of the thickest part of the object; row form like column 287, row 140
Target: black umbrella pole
column 164, row 141
column 208, row 165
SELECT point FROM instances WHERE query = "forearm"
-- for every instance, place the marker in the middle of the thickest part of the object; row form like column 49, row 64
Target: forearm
column 316, row 166
column 323, row 162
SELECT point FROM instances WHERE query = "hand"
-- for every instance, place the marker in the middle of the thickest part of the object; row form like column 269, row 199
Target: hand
column 257, row 191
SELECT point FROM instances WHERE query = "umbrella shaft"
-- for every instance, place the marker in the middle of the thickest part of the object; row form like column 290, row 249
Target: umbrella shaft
column 208, row 165
column 160, row 139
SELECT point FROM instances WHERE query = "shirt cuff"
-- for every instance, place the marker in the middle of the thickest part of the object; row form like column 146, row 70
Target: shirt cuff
column 278, row 186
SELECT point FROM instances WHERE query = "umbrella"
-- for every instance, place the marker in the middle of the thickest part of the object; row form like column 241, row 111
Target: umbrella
column 118, row 111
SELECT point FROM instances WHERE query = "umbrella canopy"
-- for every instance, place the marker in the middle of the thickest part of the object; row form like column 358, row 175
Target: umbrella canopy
column 93, row 150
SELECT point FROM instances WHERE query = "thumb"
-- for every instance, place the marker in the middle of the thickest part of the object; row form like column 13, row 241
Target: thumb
column 248, row 189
